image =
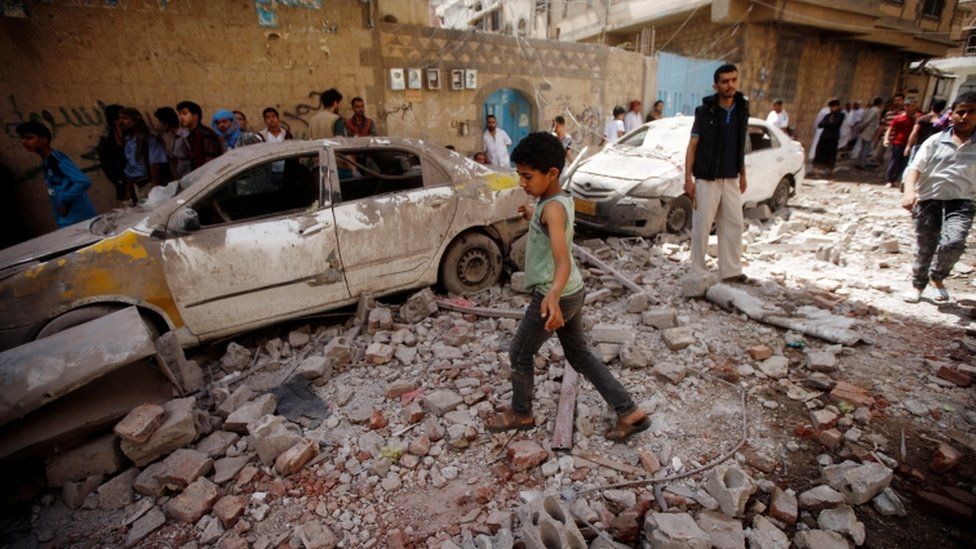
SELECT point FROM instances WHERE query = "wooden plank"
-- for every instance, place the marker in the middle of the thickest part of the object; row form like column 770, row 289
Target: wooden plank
column 479, row 311
column 562, row 433
column 587, row 256
column 612, row 464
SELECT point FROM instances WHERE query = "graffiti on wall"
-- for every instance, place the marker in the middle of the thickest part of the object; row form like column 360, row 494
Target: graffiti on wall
column 268, row 14
column 55, row 118
column 581, row 122
column 402, row 108
column 302, row 113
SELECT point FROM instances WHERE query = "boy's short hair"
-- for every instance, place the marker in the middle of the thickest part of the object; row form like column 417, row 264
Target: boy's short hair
column 878, row 101
column 833, row 102
column 168, row 116
column 939, row 105
column 240, row 113
column 724, row 69
column 559, row 119
column 330, row 96
column 968, row 97
column 360, row 99
column 190, row 106
column 618, row 110
column 33, row 127
column 540, row 151
column 270, row 109
column 777, row 101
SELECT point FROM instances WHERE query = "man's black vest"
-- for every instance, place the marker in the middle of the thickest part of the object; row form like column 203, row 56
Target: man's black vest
column 708, row 154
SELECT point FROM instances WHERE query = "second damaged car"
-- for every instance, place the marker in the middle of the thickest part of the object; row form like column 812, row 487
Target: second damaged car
column 270, row 232
column 636, row 186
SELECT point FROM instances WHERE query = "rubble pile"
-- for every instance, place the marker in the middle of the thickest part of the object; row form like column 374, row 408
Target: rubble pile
column 370, row 434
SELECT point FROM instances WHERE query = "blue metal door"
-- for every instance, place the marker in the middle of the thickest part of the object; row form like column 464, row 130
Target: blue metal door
column 513, row 111
column 683, row 82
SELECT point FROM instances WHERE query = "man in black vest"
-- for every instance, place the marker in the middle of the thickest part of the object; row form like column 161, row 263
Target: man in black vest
column 715, row 173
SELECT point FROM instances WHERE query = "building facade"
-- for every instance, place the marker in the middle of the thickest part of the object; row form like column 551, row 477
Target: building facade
column 802, row 51
column 65, row 60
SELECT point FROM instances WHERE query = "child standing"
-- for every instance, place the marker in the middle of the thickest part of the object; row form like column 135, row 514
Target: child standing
column 557, row 294
column 67, row 185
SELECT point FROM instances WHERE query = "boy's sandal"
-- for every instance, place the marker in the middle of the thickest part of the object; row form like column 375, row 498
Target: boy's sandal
column 508, row 420
column 622, row 430
column 942, row 295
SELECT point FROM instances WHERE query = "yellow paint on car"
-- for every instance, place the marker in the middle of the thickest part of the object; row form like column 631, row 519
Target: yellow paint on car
column 500, row 181
column 126, row 243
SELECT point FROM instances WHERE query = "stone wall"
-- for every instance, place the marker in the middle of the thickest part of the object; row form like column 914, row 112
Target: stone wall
column 66, row 60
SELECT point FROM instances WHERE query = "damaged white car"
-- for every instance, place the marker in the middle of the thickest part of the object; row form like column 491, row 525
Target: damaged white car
column 636, row 186
column 270, row 232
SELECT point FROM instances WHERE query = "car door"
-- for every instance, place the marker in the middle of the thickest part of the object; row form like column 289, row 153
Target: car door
column 393, row 209
column 763, row 157
column 265, row 249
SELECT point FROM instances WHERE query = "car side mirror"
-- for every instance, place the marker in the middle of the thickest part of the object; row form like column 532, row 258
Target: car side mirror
column 184, row 221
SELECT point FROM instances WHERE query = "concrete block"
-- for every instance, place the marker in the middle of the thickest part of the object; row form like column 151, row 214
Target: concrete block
column 731, row 487
column 674, row 531
column 316, row 367
column 418, row 306
column 117, row 492
column 612, row 333
column 379, row 353
column 661, row 318
column 819, row 539
column 678, row 338
column 272, row 436
column 517, row 283
column 145, row 525
column 316, row 535
column 671, row 371
column 547, row 522
column 843, row 521
column 765, row 535
column 100, row 456
column 146, row 483
column 216, row 443
column 380, row 319
column 725, row 532
column 441, row 401
column 338, row 350
column 251, row 411
column 227, row 468
column 238, row 398
column 819, row 498
column 783, row 506
column 74, row 493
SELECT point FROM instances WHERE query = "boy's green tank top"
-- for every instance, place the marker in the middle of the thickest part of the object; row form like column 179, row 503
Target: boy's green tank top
column 539, row 266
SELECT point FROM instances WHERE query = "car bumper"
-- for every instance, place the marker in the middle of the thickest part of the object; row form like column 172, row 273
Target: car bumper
column 622, row 215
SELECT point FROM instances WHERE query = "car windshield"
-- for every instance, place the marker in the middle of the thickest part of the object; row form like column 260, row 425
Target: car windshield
column 666, row 138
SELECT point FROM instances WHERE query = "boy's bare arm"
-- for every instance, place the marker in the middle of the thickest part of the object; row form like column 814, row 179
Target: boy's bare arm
column 689, row 166
column 554, row 218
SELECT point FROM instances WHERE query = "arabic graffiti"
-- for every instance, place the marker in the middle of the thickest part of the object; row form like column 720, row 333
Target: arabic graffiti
column 55, row 117
column 584, row 122
column 402, row 108
column 300, row 113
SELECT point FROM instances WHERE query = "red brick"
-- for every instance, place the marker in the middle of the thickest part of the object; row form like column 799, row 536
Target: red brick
column 847, row 392
column 943, row 507
column 377, row 421
column 649, row 461
column 962, row 496
column 959, row 378
column 783, row 506
column 194, row 502
column 293, row 459
column 526, row 454
column 229, row 509
column 413, row 413
column 140, row 423
column 759, row 352
column 400, row 388
column 183, row 467
column 946, row 457
column 831, row 438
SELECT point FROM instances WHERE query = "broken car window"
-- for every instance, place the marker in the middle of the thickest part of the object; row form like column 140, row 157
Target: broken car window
column 760, row 139
column 372, row 172
column 267, row 189
column 635, row 139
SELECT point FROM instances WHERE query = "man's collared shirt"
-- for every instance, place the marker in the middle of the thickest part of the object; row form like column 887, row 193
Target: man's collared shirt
column 947, row 171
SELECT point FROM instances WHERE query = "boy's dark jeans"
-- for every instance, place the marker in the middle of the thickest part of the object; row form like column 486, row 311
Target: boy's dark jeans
column 941, row 227
column 532, row 334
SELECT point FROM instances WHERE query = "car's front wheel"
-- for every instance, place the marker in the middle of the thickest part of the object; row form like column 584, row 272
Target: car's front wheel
column 678, row 216
column 85, row 314
column 471, row 263
column 781, row 195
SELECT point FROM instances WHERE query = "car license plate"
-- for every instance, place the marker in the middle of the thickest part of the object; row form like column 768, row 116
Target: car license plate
column 587, row 207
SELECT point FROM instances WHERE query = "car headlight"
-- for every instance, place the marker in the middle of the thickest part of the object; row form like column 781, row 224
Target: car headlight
column 649, row 188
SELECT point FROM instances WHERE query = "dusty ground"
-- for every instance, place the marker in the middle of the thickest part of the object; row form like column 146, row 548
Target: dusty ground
column 827, row 249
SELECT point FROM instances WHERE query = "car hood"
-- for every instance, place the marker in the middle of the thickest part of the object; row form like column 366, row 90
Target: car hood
column 68, row 239
column 623, row 172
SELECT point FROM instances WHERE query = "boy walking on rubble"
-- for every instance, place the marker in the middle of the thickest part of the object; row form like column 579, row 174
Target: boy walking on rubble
column 557, row 294
column 940, row 191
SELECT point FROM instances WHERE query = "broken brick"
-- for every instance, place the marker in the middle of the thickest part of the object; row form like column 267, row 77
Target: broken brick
column 377, row 420
column 194, row 502
column 759, row 352
column 526, row 454
column 183, row 467
column 293, row 459
column 140, row 423
column 848, row 392
column 941, row 506
column 229, row 509
column 649, row 461
column 955, row 376
column 946, row 457
column 831, row 438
